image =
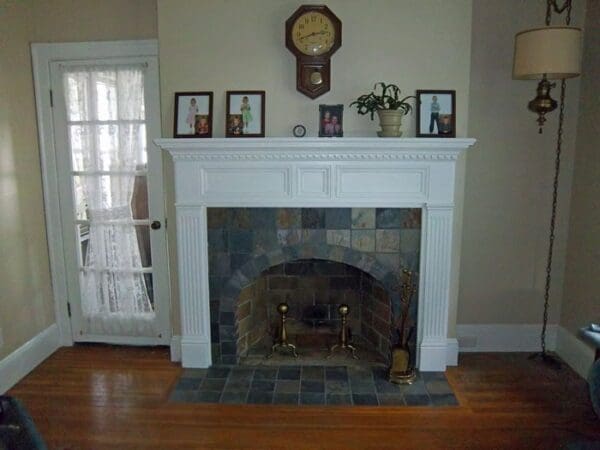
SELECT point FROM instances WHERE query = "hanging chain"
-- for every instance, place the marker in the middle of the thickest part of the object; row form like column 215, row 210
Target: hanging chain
column 561, row 117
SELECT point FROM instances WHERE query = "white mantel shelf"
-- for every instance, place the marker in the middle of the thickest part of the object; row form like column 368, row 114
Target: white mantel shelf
column 404, row 148
column 324, row 172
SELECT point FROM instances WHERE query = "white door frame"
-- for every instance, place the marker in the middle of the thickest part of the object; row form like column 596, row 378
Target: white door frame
column 42, row 56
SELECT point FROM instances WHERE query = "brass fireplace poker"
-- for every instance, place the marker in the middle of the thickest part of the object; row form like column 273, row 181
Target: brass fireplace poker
column 281, row 341
column 343, row 339
column 402, row 371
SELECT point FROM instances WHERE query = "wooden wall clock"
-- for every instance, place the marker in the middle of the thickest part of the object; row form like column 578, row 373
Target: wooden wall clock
column 313, row 33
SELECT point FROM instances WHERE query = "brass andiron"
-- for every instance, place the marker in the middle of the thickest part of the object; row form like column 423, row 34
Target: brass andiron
column 281, row 341
column 343, row 340
column 401, row 371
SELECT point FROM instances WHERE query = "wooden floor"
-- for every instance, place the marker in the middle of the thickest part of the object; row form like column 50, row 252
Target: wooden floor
column 110, row 397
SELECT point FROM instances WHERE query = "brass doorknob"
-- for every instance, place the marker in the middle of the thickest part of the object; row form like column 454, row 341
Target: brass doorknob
column 155, row 225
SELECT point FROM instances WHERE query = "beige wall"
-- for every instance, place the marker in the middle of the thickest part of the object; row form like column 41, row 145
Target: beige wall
column 581, row 300
column 26, row 303
column 227, row 44
column 508, row 188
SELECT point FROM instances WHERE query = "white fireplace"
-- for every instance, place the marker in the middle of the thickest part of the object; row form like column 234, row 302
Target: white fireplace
column 317, row 172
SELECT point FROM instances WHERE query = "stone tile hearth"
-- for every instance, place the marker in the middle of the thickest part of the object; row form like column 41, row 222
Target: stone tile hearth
column 309, row 385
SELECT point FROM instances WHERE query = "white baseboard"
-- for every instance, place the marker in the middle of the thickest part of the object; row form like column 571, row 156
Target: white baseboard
column 574, row 352
column 176, row 348
column 24, row 359
column 504, row 338
column 452, row 352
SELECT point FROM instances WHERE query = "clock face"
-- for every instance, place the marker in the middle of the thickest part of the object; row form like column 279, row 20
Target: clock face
column 313, row 33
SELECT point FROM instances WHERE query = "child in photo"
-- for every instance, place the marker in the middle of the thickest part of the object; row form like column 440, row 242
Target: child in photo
column 246, row 114
column 202, row 125
column 235, row 124
column 191, row 116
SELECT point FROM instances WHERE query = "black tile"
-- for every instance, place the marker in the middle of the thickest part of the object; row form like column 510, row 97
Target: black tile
column 339, row 399
column 313, row 218
column 236, row 398
column 260, row 397
column 337, row 387
column 227, row 318
column 338, row 218
column 288, row 373
column 312, row 398
column 385, row 387
column 208, row 396
column 312, row 386
column 237, row 385
column 388, row 218
column 238, row 260
column 218, row 372
column 390, row 399
column 215, row 333
column 229, row 359
column 444, row 400
column 432, row 376
column 228, row 348
column 188, row 384
column 362, row 387
column 241, row 373
column 212, row 384
column 313, row 373
column 226, row 332
column 263, row 385
column 287, row 386
column 365, row 399
column 265, row 373
column 360, row 374
column 380, row 373
column 336, row 373
column 417, row 400
column 285, row 399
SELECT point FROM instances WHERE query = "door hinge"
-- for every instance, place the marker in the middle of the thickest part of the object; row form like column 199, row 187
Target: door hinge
column 51, row 99
column 69, row 309
column 165, row 223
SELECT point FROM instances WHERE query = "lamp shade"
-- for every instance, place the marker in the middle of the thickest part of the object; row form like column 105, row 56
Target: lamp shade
column 553, row 51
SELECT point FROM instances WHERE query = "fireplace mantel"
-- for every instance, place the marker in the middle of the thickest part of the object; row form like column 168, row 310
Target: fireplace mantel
column 310, row 172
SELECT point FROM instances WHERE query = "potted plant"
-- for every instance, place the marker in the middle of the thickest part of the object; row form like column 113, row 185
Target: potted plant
column 388, row 105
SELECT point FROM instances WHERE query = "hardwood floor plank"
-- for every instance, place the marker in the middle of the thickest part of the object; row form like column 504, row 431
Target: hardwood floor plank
column 95, row 397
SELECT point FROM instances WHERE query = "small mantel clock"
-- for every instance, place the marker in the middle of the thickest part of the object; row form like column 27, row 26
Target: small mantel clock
column 313, row 33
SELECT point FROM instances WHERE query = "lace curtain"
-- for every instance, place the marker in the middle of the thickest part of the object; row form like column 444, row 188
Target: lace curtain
column 105, row 117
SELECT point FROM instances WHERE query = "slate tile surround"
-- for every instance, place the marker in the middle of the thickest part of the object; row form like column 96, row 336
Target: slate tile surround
column 245, row 241
column 310, row 385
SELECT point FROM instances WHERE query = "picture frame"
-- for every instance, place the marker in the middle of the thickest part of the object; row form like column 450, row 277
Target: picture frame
column 245, row 114
column 436, row 113
column 193, row 115
column 331, row 120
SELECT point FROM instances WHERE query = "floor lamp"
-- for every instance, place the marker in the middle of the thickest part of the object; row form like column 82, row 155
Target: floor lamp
column 549, row 53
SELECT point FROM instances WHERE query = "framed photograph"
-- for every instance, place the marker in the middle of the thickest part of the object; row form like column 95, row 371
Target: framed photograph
column 193, row 115
column 436, row 113
column 331, row 120
column 245, row 114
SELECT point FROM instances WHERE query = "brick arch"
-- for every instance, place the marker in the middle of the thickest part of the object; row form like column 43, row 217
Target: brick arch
column 249, row 271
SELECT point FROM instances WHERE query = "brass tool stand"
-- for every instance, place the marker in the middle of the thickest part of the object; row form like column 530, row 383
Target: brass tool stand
column 343, row 336
column 282, row 341
column 401, row 371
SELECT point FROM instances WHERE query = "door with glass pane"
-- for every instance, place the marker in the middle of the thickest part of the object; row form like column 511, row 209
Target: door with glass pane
column 106, row 113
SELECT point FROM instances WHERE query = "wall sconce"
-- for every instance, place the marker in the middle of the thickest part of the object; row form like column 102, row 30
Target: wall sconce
column 544, row 54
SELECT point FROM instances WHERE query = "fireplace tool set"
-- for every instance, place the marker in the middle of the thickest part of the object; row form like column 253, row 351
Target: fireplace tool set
column 402, row 370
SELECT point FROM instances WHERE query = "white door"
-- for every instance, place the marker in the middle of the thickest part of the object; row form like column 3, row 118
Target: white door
column 105, row 115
